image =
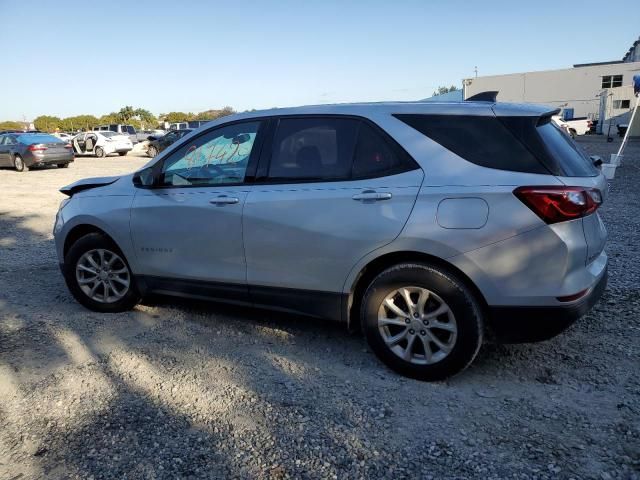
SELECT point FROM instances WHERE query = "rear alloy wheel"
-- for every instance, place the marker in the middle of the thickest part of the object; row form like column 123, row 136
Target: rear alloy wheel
column 18, row 163
column 421, row 321
column 99, row 276
column 99, row 152
column 152, row 151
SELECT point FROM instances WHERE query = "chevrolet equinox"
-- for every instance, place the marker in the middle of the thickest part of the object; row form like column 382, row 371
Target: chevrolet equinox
column 426, row 225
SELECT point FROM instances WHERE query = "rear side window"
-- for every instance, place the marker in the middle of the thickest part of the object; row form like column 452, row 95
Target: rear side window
column 482, row 140
column 376, row 157
column 313, row 149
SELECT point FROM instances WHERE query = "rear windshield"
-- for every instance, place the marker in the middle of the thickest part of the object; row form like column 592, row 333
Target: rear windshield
column 573, row 161
column 32, row 139
column 519, row 144
column 109, row 134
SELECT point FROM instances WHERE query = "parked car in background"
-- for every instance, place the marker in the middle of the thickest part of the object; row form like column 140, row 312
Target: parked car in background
column 158, row 144
column 423, row 224
column 101, row 143
column 67, row 137
column 120, row 128
column 143, row 135
column 574, row 126
column 23, row 151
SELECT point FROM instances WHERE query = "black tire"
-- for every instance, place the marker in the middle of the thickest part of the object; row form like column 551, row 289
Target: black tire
column 152, row 151
column 573, row 133
column 122, row 154
column 18, row 164
column 63, row 165
column 89, row 242
column 99, row 151
column 461, row 302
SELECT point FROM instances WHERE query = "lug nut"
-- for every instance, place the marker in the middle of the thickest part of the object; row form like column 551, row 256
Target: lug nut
column 426, row 322
column 412, row 331
column 422, row 332
column 406, row 320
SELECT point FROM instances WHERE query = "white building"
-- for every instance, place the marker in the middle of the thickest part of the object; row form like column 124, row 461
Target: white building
column 599, row 91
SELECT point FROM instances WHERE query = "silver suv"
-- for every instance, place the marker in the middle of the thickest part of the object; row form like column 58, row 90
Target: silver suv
column 426, row 225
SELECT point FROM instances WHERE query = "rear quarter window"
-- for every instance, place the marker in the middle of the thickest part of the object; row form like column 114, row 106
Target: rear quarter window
column 482, row 140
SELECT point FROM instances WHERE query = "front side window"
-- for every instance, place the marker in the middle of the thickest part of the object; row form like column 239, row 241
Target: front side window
column 313, row 149
column 219, row 157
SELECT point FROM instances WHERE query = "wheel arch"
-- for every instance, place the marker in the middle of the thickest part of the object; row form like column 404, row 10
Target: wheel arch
column 379, row 264
column 81, row 230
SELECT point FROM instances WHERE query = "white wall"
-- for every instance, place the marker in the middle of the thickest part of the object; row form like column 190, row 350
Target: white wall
column 576, row 88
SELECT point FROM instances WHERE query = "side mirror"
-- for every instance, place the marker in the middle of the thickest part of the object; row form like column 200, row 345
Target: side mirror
column 144, row 178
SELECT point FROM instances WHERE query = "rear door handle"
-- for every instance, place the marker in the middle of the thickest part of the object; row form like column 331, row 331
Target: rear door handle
column 224, row 200
column 371, row 196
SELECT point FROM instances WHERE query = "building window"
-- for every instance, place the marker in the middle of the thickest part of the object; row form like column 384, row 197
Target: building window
column 621, row 104
column 611, row 81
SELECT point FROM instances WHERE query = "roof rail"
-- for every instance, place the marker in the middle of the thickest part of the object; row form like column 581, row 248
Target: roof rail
column 489, row 96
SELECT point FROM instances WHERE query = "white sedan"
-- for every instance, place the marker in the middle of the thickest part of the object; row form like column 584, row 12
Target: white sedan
column 101, row 144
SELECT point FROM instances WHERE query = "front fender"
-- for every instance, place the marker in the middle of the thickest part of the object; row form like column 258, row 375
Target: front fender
column 110, row 214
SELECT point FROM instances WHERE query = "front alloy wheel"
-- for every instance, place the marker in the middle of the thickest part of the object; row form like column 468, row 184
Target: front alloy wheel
column 103, row 276
column 98, row 275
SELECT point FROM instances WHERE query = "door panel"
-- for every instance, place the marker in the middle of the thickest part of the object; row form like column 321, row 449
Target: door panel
column 180, row 233
column 309, row 235
column 189, row 226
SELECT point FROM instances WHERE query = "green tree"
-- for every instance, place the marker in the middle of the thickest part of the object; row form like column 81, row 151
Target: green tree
column 213, row 114
column 145, row 116
column 173, row 117
column 442, row 90
column 125, row 114
column 47, row 123
column 109, row 118
column 9, row 125
column 79, row 122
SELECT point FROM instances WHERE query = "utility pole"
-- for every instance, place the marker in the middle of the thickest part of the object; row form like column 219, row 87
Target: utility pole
column 475, row 69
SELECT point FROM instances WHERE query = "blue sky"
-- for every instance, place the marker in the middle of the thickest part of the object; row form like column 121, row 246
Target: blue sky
column 67, row 58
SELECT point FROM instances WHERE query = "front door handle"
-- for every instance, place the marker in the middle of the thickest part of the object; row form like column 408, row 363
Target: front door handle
column 368, row 196
column 224, row 200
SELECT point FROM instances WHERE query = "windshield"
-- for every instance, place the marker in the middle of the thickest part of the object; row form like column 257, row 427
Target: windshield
column 566, row 152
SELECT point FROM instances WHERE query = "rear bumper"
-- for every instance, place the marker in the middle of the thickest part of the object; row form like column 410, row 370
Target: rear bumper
column 534, row 324
column 34, row 161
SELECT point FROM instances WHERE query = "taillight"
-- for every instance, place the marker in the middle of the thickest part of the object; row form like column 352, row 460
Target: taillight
column 36, row 148
column 559, row 204
column 68, row 145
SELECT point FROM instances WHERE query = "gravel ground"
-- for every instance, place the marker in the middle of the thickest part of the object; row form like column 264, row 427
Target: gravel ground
column 186, row 390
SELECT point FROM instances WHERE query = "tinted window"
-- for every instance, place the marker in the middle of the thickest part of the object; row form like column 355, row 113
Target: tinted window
column 113, row 128
column 482, row 140
column 313, row 149
column 375, row 156
column 566, row 152
column 218, row 157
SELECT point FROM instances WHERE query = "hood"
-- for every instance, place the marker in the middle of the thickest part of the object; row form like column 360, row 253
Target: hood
column 87, row 184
